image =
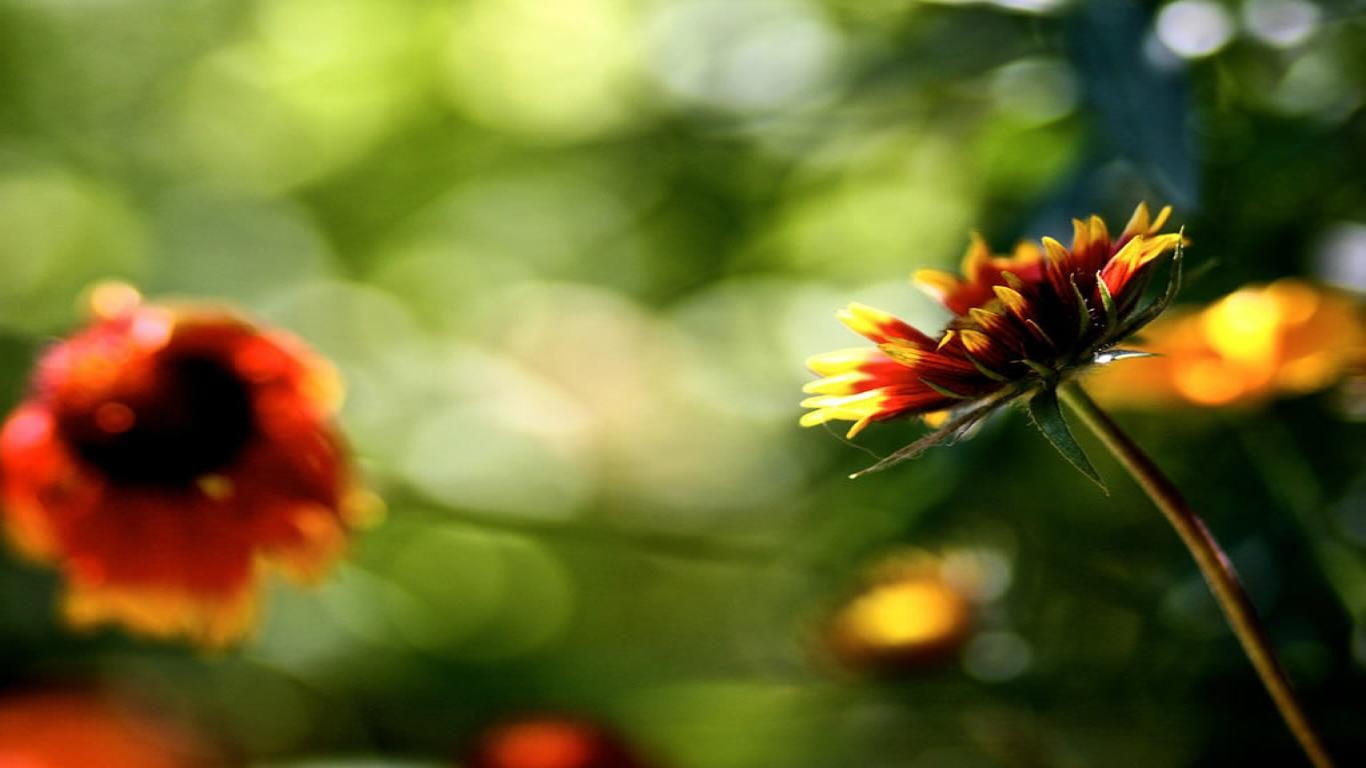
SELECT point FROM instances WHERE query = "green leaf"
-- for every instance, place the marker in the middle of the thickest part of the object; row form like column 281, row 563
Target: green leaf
column 1047, row 415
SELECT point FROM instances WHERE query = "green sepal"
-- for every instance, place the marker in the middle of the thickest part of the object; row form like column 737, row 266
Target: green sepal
column 1083, row 312
column 945, row 391
column 985, row 371
column 1047, row 414
column 1111, row 313
column 1047, row 373
column 1041, row 333
column 1157, row 307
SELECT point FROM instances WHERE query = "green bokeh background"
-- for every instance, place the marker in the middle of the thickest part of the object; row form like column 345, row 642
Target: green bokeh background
column 570, row 255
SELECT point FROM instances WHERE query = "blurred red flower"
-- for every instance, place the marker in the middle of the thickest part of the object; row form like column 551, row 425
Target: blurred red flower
column 551, row 742
column 163, row 452
column 74, row 730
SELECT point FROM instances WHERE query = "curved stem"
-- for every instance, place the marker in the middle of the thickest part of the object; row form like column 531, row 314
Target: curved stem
column 1214, row 564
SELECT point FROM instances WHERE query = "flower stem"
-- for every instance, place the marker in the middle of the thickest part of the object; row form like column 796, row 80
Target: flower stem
column 1214, row 564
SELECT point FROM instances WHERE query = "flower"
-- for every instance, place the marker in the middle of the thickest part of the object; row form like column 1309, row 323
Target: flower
column 551, row 742
column 912, row 610
column 1288, row 337
column 58, row 729
column 162, row 452
column 1022, row 324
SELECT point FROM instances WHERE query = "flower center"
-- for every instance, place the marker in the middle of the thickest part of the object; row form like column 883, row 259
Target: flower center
column 191, row 418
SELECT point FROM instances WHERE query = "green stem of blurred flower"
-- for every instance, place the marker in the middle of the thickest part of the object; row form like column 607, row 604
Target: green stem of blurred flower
column 1214, row 564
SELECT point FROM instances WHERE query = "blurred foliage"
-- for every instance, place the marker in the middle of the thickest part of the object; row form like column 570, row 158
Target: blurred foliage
column 570, row 255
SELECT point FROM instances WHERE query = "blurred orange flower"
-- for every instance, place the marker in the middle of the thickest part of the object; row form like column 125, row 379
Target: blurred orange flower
column 552, row 742
column 914, row 610
column 1285, row 338
column 162, row 452
column 73, row 730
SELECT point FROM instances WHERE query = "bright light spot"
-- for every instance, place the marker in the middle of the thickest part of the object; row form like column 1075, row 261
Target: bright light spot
column 560, row 70
column 1281, row 23
column 1296, row 301
column 996, row 657
column 906, row 615
column 234, row 249
column 542, row 744
column 1023, row 6
column 58, row 234
column 751, row 370
column 517, row 448
column 1194, row 28
column 1341, row 256
column 320, row 82
column 842, row 199
column 982, row 574
column 1314, row 84
column 112, row 299
column 1208, row 381
column 759, row 54
column 1243, row 326
column 630, row 374
column 1036, row 90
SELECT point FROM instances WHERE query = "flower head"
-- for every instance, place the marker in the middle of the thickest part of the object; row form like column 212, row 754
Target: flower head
column 162, row 452
column 1022, row 323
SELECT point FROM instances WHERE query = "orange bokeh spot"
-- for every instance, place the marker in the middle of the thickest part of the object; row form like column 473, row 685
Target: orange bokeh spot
column 543, row 745
column 72, row 730
column 1288, row 337
column 908, row 615
column 552, row 742
column 114, row 418
column 1208, row 382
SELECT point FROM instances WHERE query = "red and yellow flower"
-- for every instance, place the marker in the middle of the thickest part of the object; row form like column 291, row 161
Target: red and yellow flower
column 163, row 453
column 1021, row 323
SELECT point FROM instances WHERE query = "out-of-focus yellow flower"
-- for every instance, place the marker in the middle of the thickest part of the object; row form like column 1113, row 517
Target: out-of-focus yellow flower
column 914, row 610
column 80, row 730
column 1258, row 342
